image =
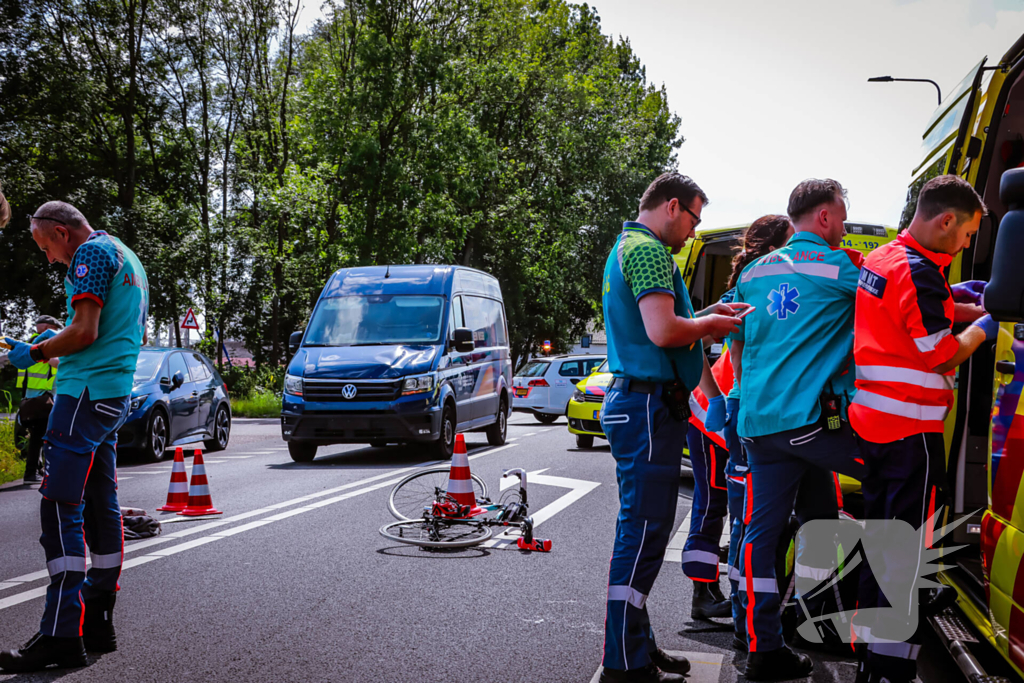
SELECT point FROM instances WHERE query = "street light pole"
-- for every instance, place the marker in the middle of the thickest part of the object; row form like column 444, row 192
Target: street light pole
column 890, row 79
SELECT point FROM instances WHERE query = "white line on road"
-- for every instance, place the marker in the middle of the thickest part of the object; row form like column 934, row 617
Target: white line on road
column 236, row 457
column 395, row 477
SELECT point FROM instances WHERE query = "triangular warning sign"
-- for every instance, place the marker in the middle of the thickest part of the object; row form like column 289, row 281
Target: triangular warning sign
column 190, row 322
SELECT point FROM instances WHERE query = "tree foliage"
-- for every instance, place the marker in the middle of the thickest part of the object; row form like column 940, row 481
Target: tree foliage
column 245, row 162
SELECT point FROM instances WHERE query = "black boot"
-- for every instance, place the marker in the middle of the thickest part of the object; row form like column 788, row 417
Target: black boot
column 777, row 665
column 669, row 663
column 739, row 642
column 708, row 602
column 42, row 651
column 648, row 674
column 98, row 627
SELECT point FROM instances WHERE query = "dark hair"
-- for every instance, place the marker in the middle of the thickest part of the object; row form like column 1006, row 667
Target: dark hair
column 949, row 193
column 811, row 194
column 669, row 186
column 5, row 211
column 763, row 235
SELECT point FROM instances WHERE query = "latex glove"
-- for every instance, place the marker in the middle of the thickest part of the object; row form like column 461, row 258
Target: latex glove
column 986, row 323
column 969, row 292
column 732, row 410
column 46, row 334
column 19, row 354
column 715, row 420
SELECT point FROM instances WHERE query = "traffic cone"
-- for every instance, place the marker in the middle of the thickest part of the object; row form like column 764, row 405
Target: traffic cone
column 177, row 492
column 199, row 501
column 460, row 484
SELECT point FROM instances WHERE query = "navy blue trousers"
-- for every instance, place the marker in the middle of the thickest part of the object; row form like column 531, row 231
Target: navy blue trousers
column 647, row 444
column 736, row 485
column 80, row 507
column 710, row 505
column 781, row 465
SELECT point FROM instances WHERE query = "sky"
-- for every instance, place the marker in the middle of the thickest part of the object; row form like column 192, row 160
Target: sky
column 771, row 93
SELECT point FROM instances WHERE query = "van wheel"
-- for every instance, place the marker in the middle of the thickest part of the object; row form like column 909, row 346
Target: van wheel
column 546, row 419
column 301, row 451
column 584, row 441
column 498, row 431
column 445, row 444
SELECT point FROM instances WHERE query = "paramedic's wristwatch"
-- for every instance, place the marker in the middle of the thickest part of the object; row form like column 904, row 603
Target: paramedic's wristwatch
column 36, row 353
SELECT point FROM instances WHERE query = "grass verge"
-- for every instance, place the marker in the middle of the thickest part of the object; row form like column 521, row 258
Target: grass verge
column 257, row 404
column 11, row 466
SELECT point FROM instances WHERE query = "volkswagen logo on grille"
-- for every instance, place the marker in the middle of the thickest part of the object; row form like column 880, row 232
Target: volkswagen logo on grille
column 348, row 391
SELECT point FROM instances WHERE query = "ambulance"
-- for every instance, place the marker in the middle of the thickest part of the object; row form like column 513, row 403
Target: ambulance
column 977, row 132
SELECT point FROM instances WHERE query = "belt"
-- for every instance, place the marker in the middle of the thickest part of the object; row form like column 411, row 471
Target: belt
column 637, row 385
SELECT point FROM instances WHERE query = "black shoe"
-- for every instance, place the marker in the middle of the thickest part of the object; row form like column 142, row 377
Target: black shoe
column 30, row 479
column 937, row 600
column 777, row 665
column 98, row 627
column 648, row 674
column 838, row 649
column 739, row 642
column 708, row 602
column 42, row 651
column 668, row 663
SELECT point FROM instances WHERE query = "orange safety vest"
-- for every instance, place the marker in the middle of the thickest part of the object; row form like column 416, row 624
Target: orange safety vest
column 722, row 372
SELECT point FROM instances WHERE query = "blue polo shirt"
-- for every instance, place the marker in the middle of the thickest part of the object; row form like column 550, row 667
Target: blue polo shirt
column 640, row 264
column 800, row 337
column 107, row 272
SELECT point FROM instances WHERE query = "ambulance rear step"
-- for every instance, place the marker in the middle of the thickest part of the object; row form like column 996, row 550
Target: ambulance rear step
column 955, row 635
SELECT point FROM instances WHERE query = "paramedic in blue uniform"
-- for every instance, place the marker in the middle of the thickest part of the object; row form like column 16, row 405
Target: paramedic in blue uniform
column 108, row 301
column 656, row 357
column 796, row 346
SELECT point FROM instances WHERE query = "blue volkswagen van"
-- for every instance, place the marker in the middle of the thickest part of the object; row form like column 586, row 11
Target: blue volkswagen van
column 399, row 354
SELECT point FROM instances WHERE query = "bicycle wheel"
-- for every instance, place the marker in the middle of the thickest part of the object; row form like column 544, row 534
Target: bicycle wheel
column 436, row 533
column 419, row 490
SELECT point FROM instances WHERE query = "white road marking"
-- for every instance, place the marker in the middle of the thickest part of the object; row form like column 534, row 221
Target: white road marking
column 120, row 479
column 579, row 488
column 236, row 457
column 134, row 472
column 395, row 477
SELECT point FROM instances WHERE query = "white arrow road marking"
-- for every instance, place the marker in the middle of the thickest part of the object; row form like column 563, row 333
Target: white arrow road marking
column 390, row 478
column 579, row 488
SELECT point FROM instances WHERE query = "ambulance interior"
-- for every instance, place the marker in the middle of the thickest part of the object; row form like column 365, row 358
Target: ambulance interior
column 1003, row 150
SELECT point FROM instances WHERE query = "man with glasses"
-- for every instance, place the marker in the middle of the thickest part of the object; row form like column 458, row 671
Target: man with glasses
column 656, row 356
column 108, row 302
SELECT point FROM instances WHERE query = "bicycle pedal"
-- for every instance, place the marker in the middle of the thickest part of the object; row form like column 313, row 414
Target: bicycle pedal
column 538, row 545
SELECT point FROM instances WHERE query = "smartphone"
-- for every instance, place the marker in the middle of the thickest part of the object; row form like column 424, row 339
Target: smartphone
column 746, row 312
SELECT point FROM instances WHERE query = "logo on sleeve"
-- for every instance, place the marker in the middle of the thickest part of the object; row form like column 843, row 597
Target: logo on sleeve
column 782, row 301
column 872, row 282
column 81, row 270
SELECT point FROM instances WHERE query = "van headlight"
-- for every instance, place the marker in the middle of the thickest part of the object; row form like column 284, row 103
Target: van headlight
column 293, row 385
column 418, row 384
column 578, row 395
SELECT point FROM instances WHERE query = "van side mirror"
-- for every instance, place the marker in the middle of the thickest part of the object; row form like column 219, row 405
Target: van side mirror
column 177, row 380
column 1004, row 294
column 462, row 340
column 294, row 339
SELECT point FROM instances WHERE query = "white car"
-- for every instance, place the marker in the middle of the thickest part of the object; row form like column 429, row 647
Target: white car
column 545, row 385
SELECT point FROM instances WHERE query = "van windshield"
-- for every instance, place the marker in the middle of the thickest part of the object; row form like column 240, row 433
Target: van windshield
column 378, row 319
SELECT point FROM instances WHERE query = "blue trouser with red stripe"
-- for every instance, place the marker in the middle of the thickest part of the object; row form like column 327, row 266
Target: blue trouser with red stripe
column 905, row 482
column 80, row 507
column 710, row 505
column 781, row 465
column 736, row 484
column 647, row 444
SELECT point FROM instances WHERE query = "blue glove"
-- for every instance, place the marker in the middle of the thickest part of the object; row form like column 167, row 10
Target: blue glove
column 969, row 292
column 715, row 420
column 732, row 410
column 19, row 354
column 986, row 323
column 46, row 334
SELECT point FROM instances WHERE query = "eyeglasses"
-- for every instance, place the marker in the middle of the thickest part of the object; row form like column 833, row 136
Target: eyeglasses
column 696, row 218
column 45, row 218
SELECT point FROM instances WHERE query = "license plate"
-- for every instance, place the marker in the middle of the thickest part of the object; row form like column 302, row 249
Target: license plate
column 522, row 392
column 597, row 414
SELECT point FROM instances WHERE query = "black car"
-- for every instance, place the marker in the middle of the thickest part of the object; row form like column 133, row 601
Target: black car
column 178, row 397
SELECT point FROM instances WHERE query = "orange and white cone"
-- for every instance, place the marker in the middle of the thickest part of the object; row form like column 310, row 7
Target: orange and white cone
column 460, row 484
column 199, row 501
column 177, row 492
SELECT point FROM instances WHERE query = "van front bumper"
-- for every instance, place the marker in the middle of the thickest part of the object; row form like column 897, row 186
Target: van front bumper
column 360, row 427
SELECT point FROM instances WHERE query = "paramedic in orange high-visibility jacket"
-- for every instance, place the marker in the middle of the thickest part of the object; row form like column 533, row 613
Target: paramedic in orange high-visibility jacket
column 906, row 356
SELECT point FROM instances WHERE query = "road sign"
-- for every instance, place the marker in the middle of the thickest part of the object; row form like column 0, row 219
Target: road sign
column 190, row 322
